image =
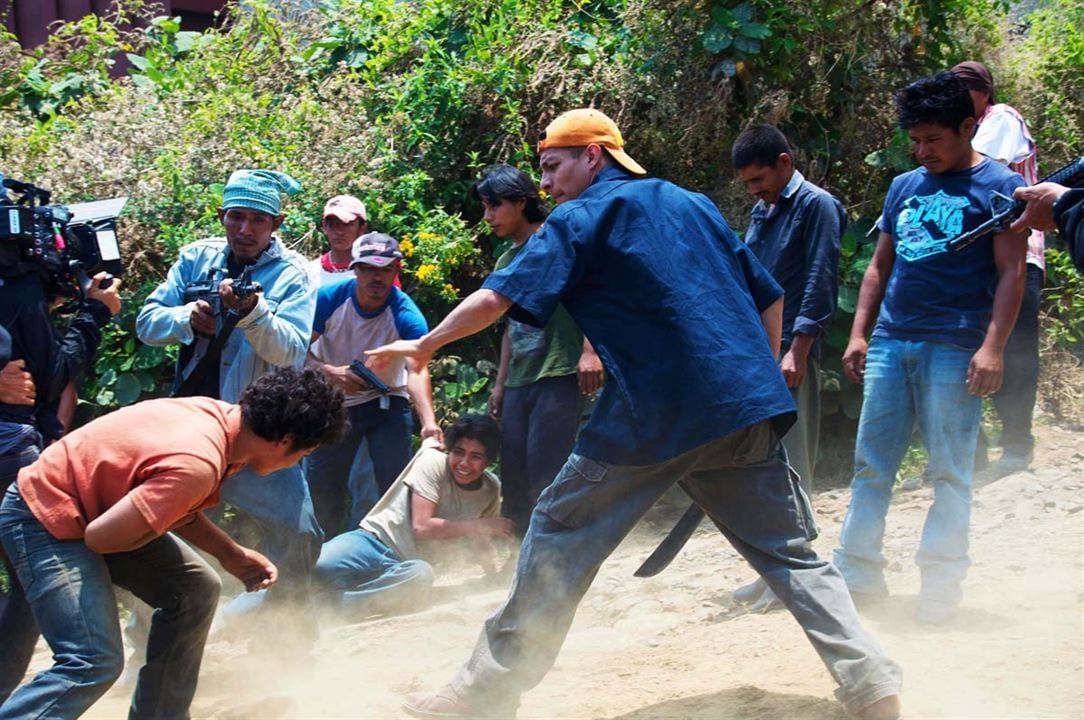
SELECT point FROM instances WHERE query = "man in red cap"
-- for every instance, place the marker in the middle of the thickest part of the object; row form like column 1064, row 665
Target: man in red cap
column 345, row 220
column 688, row 325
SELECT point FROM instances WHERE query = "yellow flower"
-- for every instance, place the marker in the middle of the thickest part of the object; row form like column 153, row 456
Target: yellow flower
column 449, row 289
column 425, row 271
column 406, row 246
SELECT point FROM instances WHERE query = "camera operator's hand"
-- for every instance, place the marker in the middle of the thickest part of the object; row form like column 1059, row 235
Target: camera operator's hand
column 110, row 296
column 203, row 318
column 230, row 301
column 16, row 384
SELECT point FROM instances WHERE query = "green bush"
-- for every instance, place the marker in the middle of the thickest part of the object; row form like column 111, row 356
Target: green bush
column 402, row 103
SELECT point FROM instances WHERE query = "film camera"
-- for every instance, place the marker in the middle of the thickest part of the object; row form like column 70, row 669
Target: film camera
column 64, row 244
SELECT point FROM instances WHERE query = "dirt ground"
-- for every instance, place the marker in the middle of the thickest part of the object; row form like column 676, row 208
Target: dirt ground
column 676, row 647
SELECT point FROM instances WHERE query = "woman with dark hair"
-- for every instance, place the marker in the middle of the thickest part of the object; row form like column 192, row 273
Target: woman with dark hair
column 544, row 372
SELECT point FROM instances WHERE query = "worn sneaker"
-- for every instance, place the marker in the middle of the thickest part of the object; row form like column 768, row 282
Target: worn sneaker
column 447, row 703
column 767, row 602
column 887, row 708
column 1012, row 462
column 935, row 613
column 751, row 592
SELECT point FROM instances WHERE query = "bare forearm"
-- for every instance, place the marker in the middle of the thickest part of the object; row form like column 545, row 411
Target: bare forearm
column 870, row 295
column 478, row 311
column 506, row 358
column 420, row 390
column 435, row 528
column 206, row 536
column 800, row 345
column 772, row 319
column 1007, row 297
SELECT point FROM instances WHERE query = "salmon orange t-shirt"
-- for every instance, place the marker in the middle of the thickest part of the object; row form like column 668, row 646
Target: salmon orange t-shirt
column 168, row 455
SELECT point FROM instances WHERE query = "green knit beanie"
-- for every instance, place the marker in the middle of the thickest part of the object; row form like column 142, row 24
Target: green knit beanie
column 258, row 190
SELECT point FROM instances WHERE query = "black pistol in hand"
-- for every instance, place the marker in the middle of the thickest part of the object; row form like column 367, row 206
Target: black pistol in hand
column 368, row 376
column 358, row 368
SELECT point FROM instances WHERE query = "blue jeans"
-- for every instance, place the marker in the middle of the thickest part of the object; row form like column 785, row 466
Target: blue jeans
column 538, row 430
column 290, row 537
column 742, row 482
column 70, row 591
column 909, row 383
column 280, row 506
column 348, row 478
column 17, row 626
column 359, row 575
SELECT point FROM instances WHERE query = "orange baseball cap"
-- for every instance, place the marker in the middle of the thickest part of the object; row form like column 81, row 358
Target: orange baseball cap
column 587, row 126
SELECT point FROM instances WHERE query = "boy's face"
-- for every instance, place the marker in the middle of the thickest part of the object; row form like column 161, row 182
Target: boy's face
column 341, row 235
column 467, row 460
column 766, row 182
column 504, row 216
column 940, row 149
column 280, row 455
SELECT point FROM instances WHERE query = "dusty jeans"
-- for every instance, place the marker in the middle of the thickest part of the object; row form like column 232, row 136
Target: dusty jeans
column 70, row 591
column 742, row 482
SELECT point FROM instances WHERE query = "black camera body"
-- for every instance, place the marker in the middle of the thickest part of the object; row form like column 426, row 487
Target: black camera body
column 65, row 245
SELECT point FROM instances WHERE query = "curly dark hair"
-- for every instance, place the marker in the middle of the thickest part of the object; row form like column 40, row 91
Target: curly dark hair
column 504, row 182
column 294, row 402
column 940, row 99
column 759, row 145
column 475, row 427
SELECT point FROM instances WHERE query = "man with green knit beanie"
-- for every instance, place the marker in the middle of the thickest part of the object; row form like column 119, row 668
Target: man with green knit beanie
column 219, row 357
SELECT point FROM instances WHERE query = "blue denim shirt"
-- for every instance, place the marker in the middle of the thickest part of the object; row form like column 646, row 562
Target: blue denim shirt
column 671, row 300
column 275, row 333
column 798, row 239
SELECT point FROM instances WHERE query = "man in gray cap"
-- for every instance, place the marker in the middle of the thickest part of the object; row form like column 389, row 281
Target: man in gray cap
column 225, row 348
column 347, row 479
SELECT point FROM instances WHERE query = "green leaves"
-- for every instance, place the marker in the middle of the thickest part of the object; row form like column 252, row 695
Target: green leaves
column 733, row 28
column 459, row 386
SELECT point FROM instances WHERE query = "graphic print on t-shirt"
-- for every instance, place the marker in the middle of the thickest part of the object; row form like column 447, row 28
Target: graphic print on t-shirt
column 527, row 340
column 927, row 222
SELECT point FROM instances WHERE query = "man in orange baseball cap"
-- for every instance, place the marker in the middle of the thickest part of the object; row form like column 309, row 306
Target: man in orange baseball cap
column 687, row 323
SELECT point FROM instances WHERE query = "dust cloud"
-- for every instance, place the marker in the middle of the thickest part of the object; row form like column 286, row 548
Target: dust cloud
column 675, row 646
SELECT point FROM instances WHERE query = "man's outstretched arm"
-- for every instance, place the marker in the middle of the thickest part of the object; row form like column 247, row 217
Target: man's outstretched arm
column 478, row 311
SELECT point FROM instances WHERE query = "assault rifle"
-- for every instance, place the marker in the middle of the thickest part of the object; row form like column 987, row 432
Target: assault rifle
column 1005, row 209
column 207, row 290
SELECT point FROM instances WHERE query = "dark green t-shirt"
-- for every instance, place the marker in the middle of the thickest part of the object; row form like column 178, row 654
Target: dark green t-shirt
column 553, row 351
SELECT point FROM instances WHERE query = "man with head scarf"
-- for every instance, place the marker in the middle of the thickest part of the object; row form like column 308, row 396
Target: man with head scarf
column 271, row 328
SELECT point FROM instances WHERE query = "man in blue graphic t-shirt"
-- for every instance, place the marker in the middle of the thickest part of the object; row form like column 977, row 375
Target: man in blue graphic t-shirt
column 937, row 345
column 348, row 478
